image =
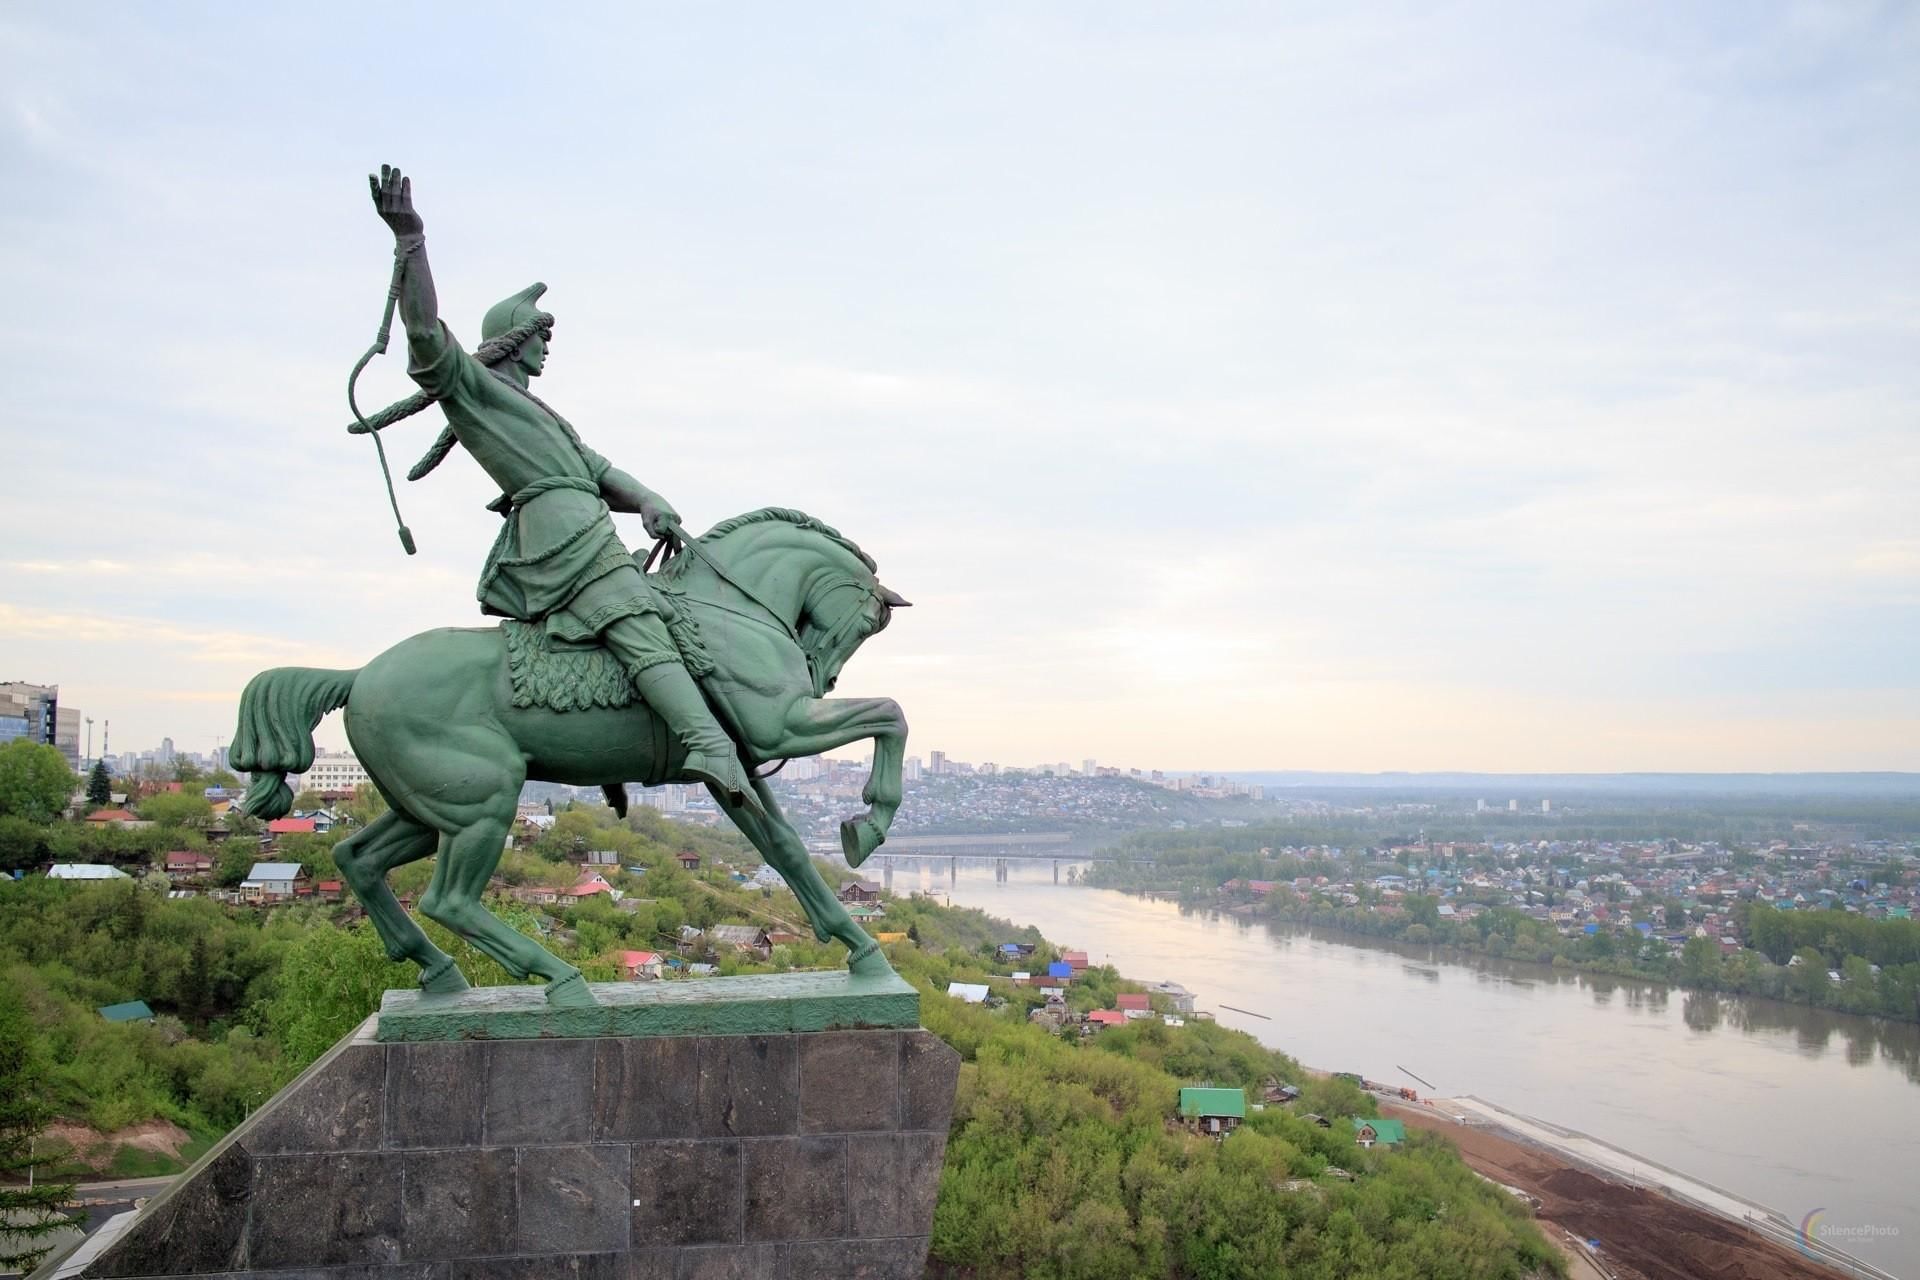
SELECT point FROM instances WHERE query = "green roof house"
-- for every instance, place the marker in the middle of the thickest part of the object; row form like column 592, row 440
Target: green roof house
column 1215, row 1111
column 131, row 1011
column 1387, row 1133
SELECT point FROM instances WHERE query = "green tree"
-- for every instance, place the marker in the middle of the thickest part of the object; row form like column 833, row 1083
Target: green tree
column 35, row 782
column 22, row 843
column 29, row 1216
column 99, row 784
column 236, row 859
column 177, row 809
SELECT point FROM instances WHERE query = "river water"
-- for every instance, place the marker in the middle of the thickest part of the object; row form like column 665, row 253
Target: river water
column 1801, row 1110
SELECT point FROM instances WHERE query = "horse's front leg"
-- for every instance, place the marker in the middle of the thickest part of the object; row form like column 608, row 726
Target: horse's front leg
column 784, row 851
column 813, row 725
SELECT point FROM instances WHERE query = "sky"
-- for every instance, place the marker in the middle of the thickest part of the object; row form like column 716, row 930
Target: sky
column 1513, row 387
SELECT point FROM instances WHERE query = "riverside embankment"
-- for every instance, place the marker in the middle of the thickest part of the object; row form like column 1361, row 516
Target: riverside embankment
column 1807, row 1112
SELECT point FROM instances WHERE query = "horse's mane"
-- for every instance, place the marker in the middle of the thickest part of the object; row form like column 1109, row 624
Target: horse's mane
column 787, row 515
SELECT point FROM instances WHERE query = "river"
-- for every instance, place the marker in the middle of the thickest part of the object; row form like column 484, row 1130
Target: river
column 1802, row 1110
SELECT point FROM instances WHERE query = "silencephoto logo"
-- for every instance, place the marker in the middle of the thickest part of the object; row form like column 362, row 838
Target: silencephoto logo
column 1838, row 1235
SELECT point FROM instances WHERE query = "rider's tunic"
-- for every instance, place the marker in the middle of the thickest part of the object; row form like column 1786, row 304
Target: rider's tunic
column 558, row 557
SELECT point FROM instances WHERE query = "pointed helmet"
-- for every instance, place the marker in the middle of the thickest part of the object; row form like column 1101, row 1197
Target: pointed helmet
column 508, row 314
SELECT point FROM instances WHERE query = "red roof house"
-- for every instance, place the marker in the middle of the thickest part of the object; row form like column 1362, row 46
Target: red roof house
column 1135, row 1000
column 291, row 827
column 110, row 816
column 1106, row 1018
column 637, row 966
column 1077, row 960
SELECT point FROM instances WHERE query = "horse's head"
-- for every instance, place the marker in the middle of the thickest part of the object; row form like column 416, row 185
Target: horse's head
column 838, row 616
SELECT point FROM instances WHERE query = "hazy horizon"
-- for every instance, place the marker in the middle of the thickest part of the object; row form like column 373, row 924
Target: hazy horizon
column 1526, row 387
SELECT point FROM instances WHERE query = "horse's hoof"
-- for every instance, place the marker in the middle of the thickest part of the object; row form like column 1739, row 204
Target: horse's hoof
column 858, row 840
column 869, row 961
column 571, row 992
column 444, row 979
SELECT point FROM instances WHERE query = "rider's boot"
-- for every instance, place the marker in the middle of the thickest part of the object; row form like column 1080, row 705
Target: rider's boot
column 672, row 694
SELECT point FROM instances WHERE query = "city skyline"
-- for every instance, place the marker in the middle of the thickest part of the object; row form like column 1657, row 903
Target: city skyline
column 1507, row 389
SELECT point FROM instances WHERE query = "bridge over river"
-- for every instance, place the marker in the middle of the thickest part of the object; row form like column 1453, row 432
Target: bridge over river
column 997, row 848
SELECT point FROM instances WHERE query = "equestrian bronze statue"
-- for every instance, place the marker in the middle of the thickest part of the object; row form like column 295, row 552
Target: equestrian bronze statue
column 600, row 673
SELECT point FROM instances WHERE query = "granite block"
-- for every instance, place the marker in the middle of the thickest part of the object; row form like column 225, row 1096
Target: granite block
column 641, row 1088
column 572, row 1266
column 901, row 1259
column 687, row 1192
column 573, row 1199
column 539, row 1091
column 929, row 1071
column 458, row 1204
column 729, row 1262
column 893, row 1180
column 436, row 1094
column 324, row 1210
column 796, row 1188
column 747, row 1086
column 403, row 1271
column 336, row 1108
column 195, row 1226
column 849, row 1081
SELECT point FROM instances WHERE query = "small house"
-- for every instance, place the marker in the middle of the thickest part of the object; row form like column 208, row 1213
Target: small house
column 114, row 818
column 897, row 936
column 1135, row 1004
column 131, row 1011
column 1368, row 1131
column 741, row 937
column 1076, row 961
column 970, row 992
column 639, row 966
column 689, row 860
column 330, row 890
column 1059, row 971
column 859, row 891
column 188, row 864
column 1106, row 1018
column 85, row 871
column 292, row 827
column 1213, row 1111
column 274, row 882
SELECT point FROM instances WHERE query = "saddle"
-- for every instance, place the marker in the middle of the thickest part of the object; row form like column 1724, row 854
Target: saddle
column 548, row 668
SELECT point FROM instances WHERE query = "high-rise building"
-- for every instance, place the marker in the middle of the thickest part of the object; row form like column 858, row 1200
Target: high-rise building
column 1513, row 806
column 936, row 762
column 911, row 770
column 33, row 711
column 1546, row 806
column 1089, row 766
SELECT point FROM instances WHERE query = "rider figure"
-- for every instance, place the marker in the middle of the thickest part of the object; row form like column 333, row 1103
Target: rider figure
column 558, row 559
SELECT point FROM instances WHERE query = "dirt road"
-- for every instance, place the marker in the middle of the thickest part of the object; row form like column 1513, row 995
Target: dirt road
column 1643, row 1235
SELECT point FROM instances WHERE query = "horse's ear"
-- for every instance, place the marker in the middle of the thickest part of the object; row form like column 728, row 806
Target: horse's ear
column 892, row 599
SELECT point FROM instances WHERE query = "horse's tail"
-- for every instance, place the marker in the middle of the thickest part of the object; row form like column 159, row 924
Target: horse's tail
column 278, row 713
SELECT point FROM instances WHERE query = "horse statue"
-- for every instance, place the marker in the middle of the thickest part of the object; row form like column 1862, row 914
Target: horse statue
column 766, row 607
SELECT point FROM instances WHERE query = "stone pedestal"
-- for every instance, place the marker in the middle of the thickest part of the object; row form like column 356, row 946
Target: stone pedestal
column 634, row 1157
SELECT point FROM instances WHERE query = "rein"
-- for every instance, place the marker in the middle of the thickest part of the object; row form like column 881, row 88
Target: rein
column 675, row 534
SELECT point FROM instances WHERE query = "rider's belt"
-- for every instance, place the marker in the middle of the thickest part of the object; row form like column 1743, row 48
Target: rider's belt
column 507, row 503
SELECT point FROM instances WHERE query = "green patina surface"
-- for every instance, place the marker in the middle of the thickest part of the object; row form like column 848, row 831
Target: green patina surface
column 760, row 1004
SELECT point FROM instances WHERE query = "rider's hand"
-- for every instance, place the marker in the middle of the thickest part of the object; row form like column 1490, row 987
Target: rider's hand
column 393, row 197
column 658, row 517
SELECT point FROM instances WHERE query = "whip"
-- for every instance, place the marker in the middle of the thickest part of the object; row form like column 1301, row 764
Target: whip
column 379, row 348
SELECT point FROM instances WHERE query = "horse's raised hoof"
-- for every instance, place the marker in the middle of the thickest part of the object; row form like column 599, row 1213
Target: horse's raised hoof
column 571, row 992
column 443, row 978
column 858, row 839
column 868, row 961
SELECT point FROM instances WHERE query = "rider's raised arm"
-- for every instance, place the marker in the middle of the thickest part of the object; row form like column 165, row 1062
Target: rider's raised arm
column 419, row 304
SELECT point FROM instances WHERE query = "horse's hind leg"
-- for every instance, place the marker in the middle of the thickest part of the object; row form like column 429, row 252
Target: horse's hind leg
column 467, row 860
column 364, row 859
